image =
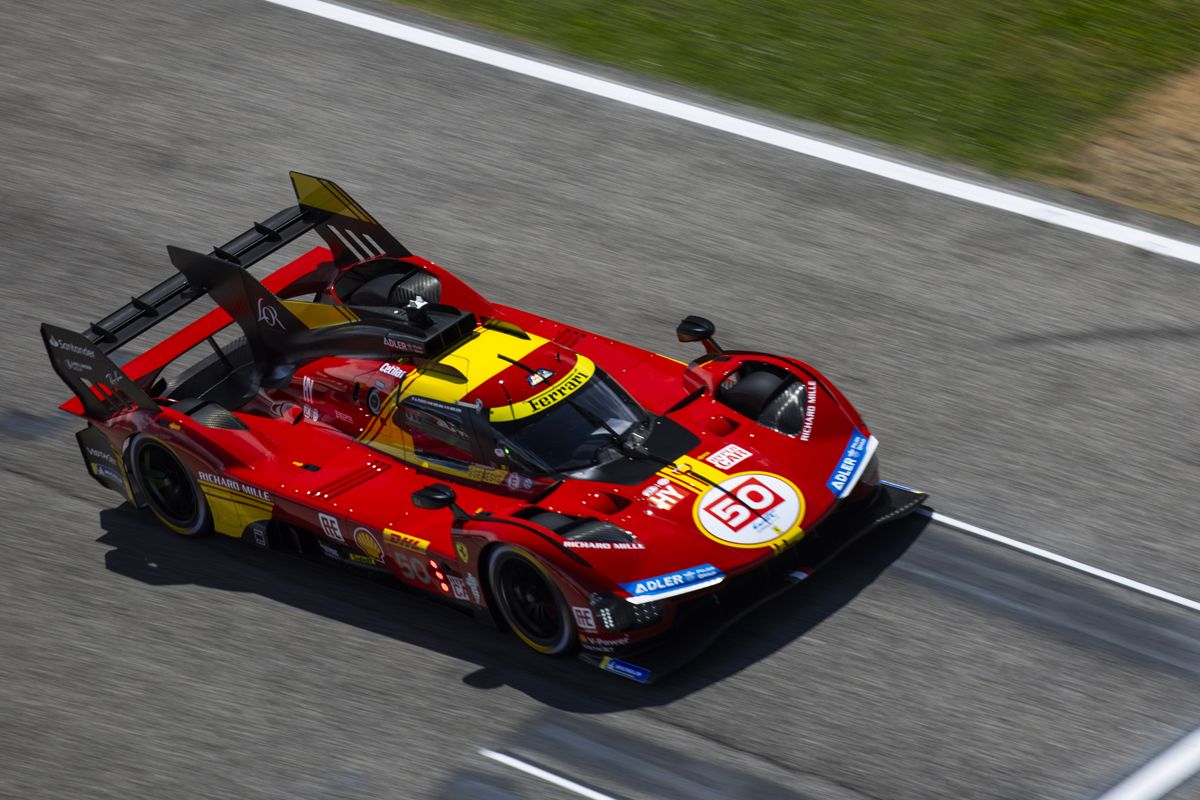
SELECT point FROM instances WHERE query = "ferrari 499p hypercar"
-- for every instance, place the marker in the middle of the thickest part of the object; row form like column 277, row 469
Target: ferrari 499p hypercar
column 588, row 495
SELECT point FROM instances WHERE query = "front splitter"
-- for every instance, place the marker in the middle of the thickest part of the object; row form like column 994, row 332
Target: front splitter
column 710, row 615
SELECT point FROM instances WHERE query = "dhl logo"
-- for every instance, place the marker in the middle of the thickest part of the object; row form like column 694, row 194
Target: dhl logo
column 404, row 541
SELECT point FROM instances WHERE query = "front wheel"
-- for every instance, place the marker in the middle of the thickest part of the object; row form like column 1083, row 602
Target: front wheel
column 170, row 489
column 530, row 602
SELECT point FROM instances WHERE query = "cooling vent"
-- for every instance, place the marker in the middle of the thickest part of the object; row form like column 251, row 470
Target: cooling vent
column 595, row 530
column 214, row 415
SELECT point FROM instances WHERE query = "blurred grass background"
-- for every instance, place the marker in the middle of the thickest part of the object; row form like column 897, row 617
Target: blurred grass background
column 1012, row 86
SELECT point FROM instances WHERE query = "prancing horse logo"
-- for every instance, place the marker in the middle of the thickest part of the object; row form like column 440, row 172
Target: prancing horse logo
column 269, row 314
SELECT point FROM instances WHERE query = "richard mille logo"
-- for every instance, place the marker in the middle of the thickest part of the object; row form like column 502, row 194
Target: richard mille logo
column 269, row 314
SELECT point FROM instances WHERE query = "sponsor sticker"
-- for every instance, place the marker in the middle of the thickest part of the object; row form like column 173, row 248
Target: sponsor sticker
column 624, row 668
column 366, row 541
column 268, row 314
column 414, row 544
column 576, row 378
column 260, row 536
column 235, row 485
column 70, row 347
column 674, row 582
column 604, row 545
column 810, row 410
column 401, row 345
column 584, row 618
column 599, row 644
column 728, row 456
column 751, row 509
column 850, row 464
column 458, row 586
column 393, row 370
column 100, row 455
column 663, row 495
column 518, row 482
column 540, row 376
column 329, row 550
column 473, row 585
column 108, row 472
column 330, row 526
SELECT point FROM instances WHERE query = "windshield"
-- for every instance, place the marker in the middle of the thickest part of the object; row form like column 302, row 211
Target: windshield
column 568, row 435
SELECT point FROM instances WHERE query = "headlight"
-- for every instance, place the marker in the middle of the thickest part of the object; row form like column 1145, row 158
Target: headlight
column 617, row 614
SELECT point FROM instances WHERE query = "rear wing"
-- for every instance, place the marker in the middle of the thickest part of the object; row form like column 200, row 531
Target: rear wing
column 351, row 233
column 100, row 385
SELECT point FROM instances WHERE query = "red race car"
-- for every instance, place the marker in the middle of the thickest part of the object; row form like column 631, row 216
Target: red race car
column 586, row 494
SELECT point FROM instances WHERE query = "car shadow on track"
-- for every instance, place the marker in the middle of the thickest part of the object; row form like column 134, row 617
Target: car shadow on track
column 144, row 551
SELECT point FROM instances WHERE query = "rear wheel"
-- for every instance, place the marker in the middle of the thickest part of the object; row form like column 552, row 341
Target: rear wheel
column 170, row 489
column 530, row 602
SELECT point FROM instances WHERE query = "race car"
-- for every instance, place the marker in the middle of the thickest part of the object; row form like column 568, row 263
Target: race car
column 590, row 496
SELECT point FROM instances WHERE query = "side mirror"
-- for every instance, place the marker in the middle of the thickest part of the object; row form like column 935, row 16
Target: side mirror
column 439, row 495
column 698, row 329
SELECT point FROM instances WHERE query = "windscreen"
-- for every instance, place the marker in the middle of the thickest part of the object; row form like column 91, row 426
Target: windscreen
column 569, row 435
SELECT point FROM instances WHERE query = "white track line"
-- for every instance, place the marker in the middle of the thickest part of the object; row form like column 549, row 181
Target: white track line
column 1162, row 774
column 549, row 777
column 836, row 154
column 1063, row 561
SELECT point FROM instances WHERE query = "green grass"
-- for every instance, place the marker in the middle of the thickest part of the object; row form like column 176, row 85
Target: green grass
column 1008, row 85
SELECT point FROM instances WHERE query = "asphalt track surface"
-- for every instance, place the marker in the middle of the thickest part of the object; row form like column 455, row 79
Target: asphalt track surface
column 1037, row 382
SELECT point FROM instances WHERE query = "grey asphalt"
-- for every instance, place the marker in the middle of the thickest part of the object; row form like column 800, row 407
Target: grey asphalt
column 1037, row 382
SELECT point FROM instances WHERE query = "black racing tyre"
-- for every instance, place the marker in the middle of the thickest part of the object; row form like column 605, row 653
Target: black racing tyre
column 169, row 487
column 530, row 602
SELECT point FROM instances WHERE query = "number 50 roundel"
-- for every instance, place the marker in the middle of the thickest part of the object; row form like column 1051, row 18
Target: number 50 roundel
column 751, row 509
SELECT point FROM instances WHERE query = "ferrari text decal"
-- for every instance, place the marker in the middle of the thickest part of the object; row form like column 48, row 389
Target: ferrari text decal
column 674, row 582
column 728, row 456
column 573, row 381
column 750, row 510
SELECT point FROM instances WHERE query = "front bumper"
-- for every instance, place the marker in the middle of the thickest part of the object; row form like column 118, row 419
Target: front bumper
column 700, row 621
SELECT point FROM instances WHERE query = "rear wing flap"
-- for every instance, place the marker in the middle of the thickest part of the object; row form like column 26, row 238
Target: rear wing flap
column 244, row 250
column 351, row 234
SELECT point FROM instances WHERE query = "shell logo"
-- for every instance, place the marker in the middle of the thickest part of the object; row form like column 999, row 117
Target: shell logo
column 366, row 541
